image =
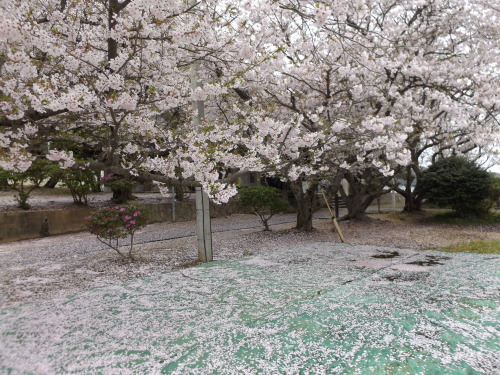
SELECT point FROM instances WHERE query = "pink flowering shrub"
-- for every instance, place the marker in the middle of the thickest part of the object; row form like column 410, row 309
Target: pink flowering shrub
column 110, row 224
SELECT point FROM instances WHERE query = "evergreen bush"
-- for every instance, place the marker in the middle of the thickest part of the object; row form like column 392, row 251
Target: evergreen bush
column 457, row 183
column 495, row 190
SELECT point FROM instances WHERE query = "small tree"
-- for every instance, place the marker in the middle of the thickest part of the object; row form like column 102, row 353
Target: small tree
column 25, row 182
column 264, row 201
column 110, row 224
column 80, row 184
column 458, row 183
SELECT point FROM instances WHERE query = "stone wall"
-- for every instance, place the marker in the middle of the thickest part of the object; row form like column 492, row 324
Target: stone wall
column 16, row 226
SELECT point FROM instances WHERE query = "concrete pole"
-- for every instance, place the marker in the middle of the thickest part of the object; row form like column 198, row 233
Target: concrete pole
column 204, row 226
column 203, row 221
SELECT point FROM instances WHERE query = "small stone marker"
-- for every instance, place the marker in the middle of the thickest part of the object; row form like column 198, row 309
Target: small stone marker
column 44, row 230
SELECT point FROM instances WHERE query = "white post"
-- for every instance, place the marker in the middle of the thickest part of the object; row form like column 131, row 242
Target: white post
column 102, row 176
column 204, row 226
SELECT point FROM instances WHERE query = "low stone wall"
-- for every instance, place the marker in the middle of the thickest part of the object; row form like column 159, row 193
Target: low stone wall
column 16, row 226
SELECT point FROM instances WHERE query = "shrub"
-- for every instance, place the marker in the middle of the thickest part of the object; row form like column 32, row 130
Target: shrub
column 80, row 184
column 264, row 201
column 458, row 183
column 110, row 224
column 121, row 187
column 4, row 185
column 495, row 190
column 25, row 182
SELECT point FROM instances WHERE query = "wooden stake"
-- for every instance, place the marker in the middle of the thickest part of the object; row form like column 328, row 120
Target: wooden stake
column 334, row 219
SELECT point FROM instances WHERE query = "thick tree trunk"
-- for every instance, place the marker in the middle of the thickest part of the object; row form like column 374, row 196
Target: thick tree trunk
column 413, row 201
column 51, row 183
column 357, row 205
column 121, row 195
column 363, row 190
column 306, row 204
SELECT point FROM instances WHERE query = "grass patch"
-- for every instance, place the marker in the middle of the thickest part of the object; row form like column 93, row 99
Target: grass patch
column 435, row 216
column 479, row 247
column 400, row 216
column 452, row 218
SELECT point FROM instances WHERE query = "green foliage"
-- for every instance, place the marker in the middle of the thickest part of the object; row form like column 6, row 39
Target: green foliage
column 457, row 183
column 110, row 224
column 80, row 152
column 121, row 187
column 25, row 182
column 4, row 181
column 452, row 219
column 495, row 189
column 264, row 201
column 80, row 184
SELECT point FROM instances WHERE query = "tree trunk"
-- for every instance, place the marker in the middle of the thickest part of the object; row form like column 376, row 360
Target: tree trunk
column 121, row 195
column 266, row 225
column 413, row 201
column 306, row 203
column 363, row 190
column 179, row 194
column 357, row 205
column 51, row 183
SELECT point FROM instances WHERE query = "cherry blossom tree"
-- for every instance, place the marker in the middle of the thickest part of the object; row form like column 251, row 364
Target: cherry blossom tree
column 376, row 84
column 318, row 81
column 299, row 89
column 116, row 77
